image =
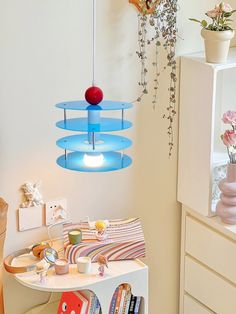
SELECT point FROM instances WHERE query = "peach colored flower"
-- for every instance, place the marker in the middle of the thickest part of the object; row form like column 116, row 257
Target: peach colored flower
column 214, row 13
column 229, row 117
column 229, row 138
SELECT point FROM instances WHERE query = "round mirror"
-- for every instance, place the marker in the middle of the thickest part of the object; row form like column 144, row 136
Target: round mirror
column 50, row 255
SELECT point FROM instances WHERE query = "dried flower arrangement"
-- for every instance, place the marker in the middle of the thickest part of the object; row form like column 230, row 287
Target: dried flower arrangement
column 160, row 16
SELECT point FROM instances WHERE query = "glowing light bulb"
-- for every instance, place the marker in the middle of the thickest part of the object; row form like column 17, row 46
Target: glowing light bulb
column 93, row 160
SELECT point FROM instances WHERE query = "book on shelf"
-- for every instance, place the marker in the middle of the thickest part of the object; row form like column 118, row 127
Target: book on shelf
column 118, row 299
column 94, row 304
column 92, row 301
column 97, row 307
column 86, row 302
column 132, row 304
column 121, row 300
column 125, row 309
column 137, row 305
column 73, row 301
column 113, row 302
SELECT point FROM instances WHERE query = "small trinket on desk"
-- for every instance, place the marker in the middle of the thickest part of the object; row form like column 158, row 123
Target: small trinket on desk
column 101, row 230
column 102, row 262
column 75, row 236
column 41, row 270
column 61, row 266
column 84, row 264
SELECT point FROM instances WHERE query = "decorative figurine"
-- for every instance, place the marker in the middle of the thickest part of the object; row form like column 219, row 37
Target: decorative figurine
column 41, row 270
column 31, row 194
column 101, row 230
column 102, row 262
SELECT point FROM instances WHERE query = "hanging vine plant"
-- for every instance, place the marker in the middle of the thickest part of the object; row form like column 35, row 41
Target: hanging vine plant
column 161, row 17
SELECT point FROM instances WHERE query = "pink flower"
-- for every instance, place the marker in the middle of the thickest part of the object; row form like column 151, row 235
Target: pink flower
column 225, row 7
column 229, row 117
column 214, row 13
column 229, row 138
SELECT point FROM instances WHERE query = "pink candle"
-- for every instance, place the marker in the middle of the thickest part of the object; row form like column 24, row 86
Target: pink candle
column 61, row 266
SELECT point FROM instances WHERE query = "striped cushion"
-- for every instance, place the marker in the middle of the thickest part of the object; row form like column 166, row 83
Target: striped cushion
column 125, row 240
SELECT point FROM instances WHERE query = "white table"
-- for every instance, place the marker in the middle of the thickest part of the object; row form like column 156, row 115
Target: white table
column 133, row 272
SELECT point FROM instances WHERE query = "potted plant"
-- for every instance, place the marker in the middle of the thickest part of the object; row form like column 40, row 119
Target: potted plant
column 157, row 37
column 226, row 207
column 145, row 6
column 218, row 33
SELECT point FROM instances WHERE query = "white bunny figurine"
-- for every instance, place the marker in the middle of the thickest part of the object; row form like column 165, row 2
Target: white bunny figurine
column 32, row 195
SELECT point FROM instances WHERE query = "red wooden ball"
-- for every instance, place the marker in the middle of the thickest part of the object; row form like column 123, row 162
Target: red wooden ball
column 94, row 95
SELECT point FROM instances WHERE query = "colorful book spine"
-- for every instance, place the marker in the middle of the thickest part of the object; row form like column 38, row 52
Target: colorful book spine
column 118, row 299
column 132, row 304
column 137, row 305
column 98, row 307
column 122, row 300
column 127, row 303
column 113, row 302
column 91, row 304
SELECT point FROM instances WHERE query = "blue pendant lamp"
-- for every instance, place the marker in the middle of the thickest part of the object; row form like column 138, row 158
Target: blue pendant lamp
column 93, row 151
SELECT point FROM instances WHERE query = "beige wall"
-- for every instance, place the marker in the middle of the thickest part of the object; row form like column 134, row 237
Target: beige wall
column 45, row 59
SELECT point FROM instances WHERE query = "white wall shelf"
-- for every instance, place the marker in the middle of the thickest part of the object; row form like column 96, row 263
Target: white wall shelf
column 207, row 91
column 200, row 58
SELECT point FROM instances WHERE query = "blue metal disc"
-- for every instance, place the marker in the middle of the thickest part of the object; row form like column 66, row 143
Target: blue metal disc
column 112, row 161
column 106, row 143
column 106, row 125
column 104, row 105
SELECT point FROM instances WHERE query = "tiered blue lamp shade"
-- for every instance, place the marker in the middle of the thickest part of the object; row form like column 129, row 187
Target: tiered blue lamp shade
column 93, row 151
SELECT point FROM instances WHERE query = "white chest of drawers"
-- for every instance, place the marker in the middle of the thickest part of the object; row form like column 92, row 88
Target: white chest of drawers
column 208, row 265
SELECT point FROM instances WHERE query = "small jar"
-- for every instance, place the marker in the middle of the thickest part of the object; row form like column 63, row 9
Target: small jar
column 75, row 236
column 61, row 266
column 84, row 264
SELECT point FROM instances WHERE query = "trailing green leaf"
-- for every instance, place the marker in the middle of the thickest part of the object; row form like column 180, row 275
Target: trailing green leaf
column 195, row 20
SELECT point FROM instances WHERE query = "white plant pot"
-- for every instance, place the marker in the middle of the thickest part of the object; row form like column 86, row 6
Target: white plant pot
column 217, row 45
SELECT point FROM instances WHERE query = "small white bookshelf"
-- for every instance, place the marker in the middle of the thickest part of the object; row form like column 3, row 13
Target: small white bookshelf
column 206, row 92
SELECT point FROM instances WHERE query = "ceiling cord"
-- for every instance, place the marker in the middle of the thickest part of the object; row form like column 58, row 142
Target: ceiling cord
column 94, row 42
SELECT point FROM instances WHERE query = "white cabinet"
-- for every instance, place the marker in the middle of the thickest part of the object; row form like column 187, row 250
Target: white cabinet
column 208, row 256
column 208, row 247
column 192, row 306
column 206, row 92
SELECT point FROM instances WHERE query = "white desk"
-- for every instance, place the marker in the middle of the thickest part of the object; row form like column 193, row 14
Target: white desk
column 133, row 272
